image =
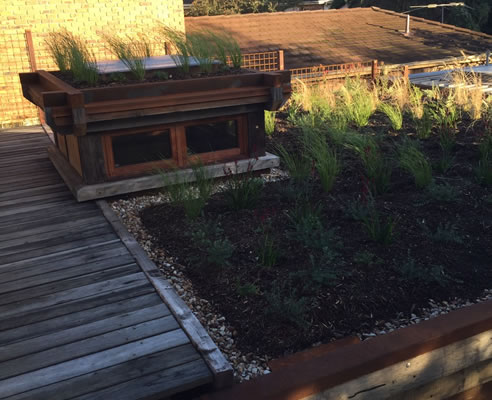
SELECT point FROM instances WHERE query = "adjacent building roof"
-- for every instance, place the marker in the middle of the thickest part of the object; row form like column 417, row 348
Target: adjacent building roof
column 342, row 36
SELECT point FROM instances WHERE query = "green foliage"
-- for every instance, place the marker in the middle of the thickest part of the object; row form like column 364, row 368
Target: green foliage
column 359, row 102
column 218, row 7
column 445, row 113
column 204, row 46
column 270, row 122
column 413, row 161
column 432, row 274
column 299, row 166
column 444, row 193
column 161, row 75
column 243, row 190
column 380, row 230
column 378, row 169
column 484, row 168
column 207, row 237
column 178, row 40
column 325, row 159
column 247, row 289
column 423, row 125
column 394, row 114
column 268, row 251
column 191, row 196
column 284, row 304
column 367, row 258
column 70, row 53
column 446, row 233
column 201, row 47
column 131, row 51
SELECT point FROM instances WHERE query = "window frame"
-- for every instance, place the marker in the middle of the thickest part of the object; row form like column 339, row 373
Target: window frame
column 179, row 148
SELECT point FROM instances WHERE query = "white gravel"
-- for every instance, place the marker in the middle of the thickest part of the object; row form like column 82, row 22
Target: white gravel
column 246, row 366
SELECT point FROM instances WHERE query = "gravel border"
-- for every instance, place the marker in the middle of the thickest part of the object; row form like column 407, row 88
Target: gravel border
column 246, row 366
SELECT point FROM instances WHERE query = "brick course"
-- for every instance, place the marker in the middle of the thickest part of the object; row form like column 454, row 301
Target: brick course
column 85, row 18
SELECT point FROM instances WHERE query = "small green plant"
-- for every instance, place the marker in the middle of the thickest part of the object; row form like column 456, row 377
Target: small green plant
column 413, row 161
column 366, row 258
column 484, row 168
column 227, row 49
column 447, row 233
column 299, row 166
column 70, row 53
column 445, row 192
column 270, row 122
column 446, row 115
column 247, row 289
column 423, row 124
column 161, row 75
column 202, row 49
column 325, row 159
column 268, row 252
column 378, row 169
column 117, row 77
column 359, row 103
column 191, row 196
column 208, row 237
column 132, row 52
column 379, row 229
column 285, row 305
column 219, row 252
column 411, row 271
column 178, row 41
column 243, row 190
column 394, row 114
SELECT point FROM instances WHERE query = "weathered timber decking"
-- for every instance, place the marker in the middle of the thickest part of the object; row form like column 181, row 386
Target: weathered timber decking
column 79, row 318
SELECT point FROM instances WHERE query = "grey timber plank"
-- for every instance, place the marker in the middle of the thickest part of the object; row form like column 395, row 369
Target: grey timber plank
column 92, row 362
column 12, row 283
column 47, row 220
column 41, row 198
column 52, row 256
column 27, row 192
column 96, row 344
column 7, row 239
column 220, row 367
column 64, row 246
column 71, row 295
column 113, row 306
column 111, row 376
column 135, row 290
column 53, row 238
column 80, row 332
column 170, row 381
column 65, row 284
column 53, row 262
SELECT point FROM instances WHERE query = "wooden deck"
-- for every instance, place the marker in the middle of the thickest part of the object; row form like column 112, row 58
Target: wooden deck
column 79, row 319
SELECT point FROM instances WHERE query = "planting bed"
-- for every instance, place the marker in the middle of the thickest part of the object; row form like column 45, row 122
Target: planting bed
column 330, row 279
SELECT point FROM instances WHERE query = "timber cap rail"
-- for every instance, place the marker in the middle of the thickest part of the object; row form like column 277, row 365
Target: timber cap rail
column 71, row 111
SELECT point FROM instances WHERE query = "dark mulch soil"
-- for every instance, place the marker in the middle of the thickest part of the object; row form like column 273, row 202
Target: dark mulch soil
column 299, row 302
column 118, row 79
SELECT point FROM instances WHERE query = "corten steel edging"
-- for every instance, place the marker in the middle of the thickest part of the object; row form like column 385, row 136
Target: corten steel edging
column 354, row 361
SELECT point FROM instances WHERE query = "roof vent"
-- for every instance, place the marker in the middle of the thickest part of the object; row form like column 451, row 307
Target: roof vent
column 407, row 26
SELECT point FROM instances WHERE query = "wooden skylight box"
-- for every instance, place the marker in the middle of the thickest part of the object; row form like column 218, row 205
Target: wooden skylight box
column 112, row 139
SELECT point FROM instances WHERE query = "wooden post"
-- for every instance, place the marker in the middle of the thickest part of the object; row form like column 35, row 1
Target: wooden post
column 405, row 72
column 374, row 69
column 281, row 65
column 32, row 62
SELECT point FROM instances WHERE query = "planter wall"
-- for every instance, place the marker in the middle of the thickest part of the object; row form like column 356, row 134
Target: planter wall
column 113, row 133
column 436, row 359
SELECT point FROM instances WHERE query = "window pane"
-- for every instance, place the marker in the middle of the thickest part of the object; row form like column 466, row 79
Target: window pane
column 141, row 148
column 212, row 137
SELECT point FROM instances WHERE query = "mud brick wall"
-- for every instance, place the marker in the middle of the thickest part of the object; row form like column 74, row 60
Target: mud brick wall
column 85, row 18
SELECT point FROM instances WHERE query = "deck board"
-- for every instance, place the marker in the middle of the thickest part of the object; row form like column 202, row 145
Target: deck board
column 78, row 316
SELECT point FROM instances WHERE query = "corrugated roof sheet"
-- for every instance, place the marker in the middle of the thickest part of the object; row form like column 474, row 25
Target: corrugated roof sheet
column 341, row 36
